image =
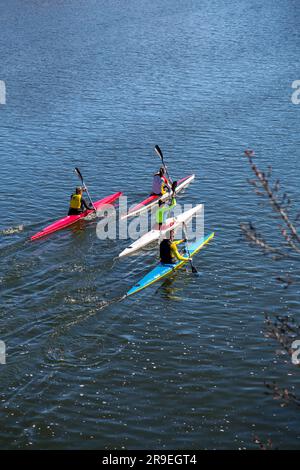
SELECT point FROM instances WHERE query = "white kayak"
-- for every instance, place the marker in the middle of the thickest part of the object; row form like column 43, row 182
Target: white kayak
column 155, row 234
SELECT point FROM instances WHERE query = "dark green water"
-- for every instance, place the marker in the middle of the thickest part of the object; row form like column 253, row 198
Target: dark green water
column 96, row 84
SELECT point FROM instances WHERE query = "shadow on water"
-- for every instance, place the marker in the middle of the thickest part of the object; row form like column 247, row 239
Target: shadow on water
column 167, row 288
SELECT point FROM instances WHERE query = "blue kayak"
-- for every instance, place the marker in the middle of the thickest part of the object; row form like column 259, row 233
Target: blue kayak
column 163, row 270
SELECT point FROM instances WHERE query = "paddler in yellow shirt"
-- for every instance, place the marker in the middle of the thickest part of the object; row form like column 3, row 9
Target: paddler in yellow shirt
column 169, row 253
column 78, row 203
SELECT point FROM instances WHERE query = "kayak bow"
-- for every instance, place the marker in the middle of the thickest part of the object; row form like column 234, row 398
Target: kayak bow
column 71, row 219
column 163, row 270
column 152, row 200
column 172, row 223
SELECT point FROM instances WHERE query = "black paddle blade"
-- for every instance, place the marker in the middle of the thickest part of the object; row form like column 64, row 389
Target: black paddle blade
column 78, row 173
column 194, row 270
column 158, row 151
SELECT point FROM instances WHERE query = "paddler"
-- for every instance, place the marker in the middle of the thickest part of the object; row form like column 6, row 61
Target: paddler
column 164, row 210
column 169, row 253
column 78, row 203
column 160, row 183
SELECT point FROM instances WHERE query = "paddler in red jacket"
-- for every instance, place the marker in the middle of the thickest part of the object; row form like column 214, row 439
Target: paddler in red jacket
column 169, row 253
column 78, row 203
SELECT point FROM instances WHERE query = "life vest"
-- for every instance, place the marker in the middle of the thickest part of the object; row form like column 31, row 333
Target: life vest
column 164, row 189
column 165, row 252
column 75, row 202
column 165, row 183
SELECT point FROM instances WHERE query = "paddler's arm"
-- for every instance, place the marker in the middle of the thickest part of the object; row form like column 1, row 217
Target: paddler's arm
column 85, row 205
column 167, row 181
column 173, row 203
column 176, row 253
column 177, row 242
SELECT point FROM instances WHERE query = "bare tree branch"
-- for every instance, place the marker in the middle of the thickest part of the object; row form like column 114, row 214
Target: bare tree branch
column 293, row 238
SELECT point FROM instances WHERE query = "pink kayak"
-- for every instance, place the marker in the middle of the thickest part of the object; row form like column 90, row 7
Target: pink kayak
column 71, row 219
column 153, row 199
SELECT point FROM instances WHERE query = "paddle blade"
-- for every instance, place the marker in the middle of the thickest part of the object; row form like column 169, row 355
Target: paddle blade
column 194, row 270
column 77, row 171
column 158, row 151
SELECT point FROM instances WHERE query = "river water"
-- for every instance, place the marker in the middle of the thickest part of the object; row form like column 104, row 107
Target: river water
column 96, row 84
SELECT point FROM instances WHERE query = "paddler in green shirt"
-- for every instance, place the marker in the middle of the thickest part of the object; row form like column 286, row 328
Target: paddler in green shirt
column 163, row 211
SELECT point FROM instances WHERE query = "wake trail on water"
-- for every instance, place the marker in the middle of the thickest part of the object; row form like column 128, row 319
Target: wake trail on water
column 85, row 317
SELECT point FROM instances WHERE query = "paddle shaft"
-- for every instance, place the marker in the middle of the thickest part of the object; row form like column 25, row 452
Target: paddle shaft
column 78, row 172
column 194, row 270
column 160, row 154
